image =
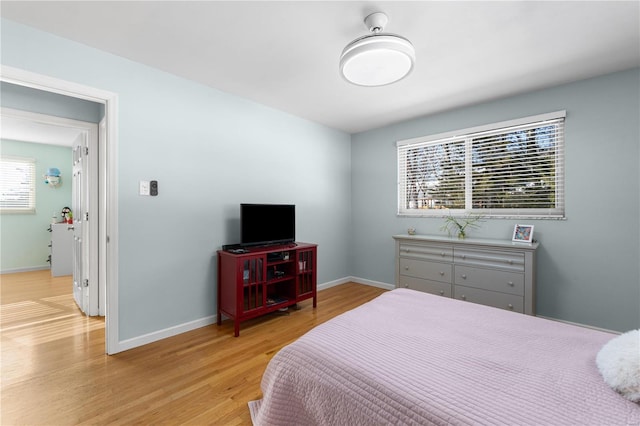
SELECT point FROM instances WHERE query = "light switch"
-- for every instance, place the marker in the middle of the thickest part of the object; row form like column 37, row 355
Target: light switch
column 144, row 187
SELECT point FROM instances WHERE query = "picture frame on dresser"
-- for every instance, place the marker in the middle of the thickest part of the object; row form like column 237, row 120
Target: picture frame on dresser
column 522, row 234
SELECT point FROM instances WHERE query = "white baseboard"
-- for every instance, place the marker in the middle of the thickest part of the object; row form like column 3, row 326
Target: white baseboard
column 203, row 322
column 345, row 280
column 372, row 283
column 579, row 325
column 145, row 339
column 28, row 269
column 333, row 283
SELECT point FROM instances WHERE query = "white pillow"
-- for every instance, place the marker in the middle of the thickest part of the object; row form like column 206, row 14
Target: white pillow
column 619, row 364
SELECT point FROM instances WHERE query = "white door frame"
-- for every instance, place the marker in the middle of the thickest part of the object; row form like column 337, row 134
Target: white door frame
column 107, row 170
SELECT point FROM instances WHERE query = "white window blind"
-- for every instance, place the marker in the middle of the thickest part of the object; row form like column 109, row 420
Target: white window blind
column 17, row 185
column 511, row 169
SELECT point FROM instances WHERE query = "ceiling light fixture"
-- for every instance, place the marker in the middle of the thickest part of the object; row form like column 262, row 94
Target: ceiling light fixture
column 379, row 58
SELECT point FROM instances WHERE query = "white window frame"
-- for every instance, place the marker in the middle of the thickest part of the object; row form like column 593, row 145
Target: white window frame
column 11, row 179
column 466, row 136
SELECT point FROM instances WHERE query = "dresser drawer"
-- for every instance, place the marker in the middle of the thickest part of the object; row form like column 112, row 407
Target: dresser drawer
column 509, row 261
column 496, row 273
column 490, row 279
column 509, row 302
column 427, row 286
column 437, row 252
column 428, row 270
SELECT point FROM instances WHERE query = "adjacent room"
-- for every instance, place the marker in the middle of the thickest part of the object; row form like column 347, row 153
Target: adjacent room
column 252, row 190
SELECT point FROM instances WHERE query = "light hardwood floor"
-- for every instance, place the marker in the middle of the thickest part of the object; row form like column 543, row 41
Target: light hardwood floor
column 54, row 370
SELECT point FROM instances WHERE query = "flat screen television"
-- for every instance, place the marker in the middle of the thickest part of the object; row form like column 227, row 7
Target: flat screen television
column 267, row 224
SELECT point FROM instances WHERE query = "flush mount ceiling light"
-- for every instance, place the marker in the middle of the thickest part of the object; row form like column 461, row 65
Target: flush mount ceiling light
column 379, row 58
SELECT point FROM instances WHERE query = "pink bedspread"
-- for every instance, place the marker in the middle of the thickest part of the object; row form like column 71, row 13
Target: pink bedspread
column 413, row 358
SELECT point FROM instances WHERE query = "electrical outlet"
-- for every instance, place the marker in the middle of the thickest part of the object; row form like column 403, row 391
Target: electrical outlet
column 144, row 187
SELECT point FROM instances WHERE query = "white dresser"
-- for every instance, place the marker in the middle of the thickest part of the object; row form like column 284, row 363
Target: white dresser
column 491, row 272
column 61, row 249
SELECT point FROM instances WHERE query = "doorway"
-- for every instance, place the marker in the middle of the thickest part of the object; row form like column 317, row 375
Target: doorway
column 81, row 139
column 106, row 256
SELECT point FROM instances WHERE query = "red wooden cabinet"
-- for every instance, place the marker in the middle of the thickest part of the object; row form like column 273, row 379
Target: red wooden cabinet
column 264, row 280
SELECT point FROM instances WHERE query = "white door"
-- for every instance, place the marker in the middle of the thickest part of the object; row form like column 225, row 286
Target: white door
column 80, row 237
column 84, row 205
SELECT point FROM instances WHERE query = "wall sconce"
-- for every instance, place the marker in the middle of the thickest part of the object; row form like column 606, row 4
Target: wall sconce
column 52, row 177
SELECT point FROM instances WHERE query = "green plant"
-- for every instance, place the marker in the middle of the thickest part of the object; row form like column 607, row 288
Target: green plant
column 459, row 225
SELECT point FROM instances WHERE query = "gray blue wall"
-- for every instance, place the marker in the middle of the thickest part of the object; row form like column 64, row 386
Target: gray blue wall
column 209, row 152
column 33, row 100
column 587, row 264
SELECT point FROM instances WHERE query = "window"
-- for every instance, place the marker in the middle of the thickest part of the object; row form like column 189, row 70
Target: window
column 510, row 169
column 17, row 185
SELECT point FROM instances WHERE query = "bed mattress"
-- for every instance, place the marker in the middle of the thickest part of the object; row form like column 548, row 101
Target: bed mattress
column 413, row 358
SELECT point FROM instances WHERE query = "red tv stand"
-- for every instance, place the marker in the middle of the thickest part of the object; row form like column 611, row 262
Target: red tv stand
column 265, row 279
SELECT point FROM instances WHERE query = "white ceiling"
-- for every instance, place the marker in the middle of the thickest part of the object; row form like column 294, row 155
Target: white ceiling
column 285, row 54
column 28, row 130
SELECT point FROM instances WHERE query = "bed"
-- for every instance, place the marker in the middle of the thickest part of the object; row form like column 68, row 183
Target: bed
column 409, row 357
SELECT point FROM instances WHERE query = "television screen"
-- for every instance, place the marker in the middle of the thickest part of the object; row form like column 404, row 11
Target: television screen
column 263, row 224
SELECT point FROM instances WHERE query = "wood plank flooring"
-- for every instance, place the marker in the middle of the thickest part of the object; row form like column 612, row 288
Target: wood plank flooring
column 54, row 370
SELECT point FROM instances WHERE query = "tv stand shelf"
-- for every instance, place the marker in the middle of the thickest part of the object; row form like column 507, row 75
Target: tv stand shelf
column 265, row 279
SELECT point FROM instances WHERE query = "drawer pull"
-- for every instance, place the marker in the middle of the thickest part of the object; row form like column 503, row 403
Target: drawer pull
column 406, row 268
column 441, row 292
column 406, row 286
column 442, row 254
column 464, row 297
column 464, row 276
column 511, row 283
column 510, row 306
column 510, row 262
column 407, row 250
column 464, row 256
column 442, row 273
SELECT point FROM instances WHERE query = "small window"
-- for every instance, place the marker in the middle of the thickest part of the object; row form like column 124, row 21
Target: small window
column 510, row 169
column 17, row 185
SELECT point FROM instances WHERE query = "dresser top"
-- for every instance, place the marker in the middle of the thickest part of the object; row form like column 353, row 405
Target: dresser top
column 467, row 241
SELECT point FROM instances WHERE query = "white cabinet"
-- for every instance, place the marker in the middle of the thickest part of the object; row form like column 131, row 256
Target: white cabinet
column 61, row 249
column 490, row 272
